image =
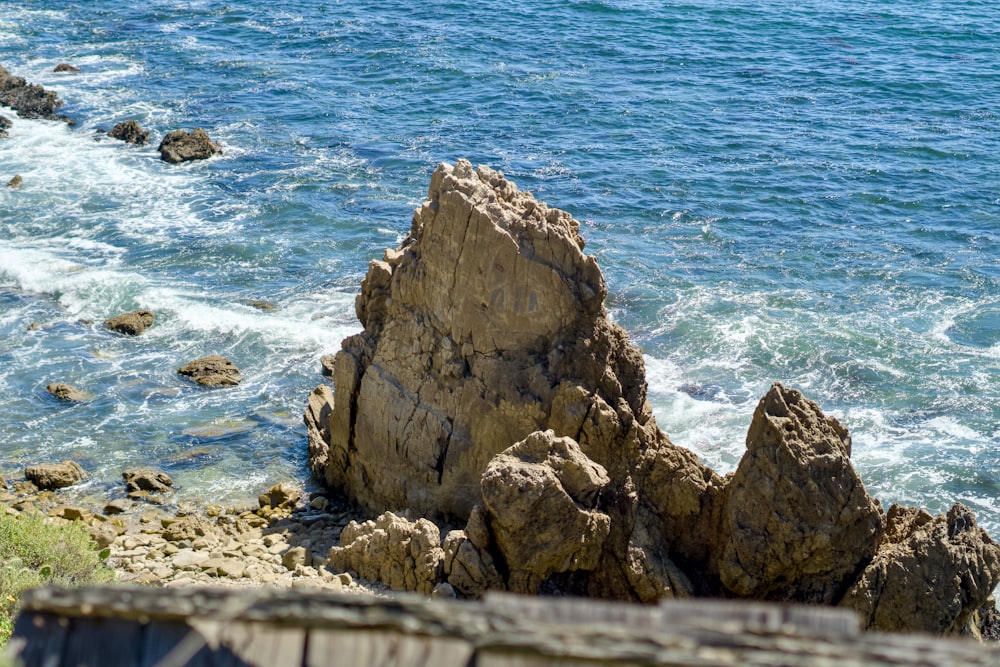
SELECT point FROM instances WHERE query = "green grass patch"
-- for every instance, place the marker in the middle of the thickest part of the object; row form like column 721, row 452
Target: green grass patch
column 36, row 552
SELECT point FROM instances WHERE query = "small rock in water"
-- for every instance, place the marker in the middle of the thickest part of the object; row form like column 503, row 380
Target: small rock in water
column 65, row 67
column 131, row 324
column 117, row 506
column 15, row 182
column 181, row 146
column 131, row 132
column 67, row 392
column 55, row 475
column 147, row 479
column 212, row 371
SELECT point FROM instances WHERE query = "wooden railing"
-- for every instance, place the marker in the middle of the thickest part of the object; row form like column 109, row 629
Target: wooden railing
column 122, row 626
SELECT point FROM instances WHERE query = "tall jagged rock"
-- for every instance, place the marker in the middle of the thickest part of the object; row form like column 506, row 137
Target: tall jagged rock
column 485, row 326
column 800, row 524
column 471, row 326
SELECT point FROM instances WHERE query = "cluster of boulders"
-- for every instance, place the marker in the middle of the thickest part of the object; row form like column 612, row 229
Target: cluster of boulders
column 33, row 101
column 489, row 389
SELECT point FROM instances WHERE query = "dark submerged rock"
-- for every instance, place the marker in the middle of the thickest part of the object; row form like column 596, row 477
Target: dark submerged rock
column 181, row 146
column 131, row 132
column 29, row 100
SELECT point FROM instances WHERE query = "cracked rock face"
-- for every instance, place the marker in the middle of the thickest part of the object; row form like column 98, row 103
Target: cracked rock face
column 930, row 573
column 800, row 523
column 485, row 325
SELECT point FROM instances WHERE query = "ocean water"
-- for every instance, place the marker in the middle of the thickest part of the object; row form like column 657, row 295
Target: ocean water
column 798, row 191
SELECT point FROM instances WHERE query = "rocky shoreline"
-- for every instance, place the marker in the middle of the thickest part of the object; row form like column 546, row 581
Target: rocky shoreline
column 284, row 545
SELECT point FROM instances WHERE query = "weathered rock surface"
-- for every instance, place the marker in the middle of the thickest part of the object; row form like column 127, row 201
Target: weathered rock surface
column 404, row 555
column 930, row 573
column 280, row 496
column 131, row 324
column 55, row 475
column 544, row 476
column 181, row 146
column 131, row 132
column 29, row 100
column 67, row 392
column 800, row 524
column 489, row 387
column 212, row 371
column 147, row 479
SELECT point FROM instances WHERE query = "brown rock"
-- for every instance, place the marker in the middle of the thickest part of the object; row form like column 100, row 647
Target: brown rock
column 116, row 507
column 541, row 495
column 404, row 555
column 15, row 182
column 189, row 528
column 469, row 568
column 147, row 479
column 130, row 131
column 67, row 392
column 931, row 574
column 55, row 475
column 132, row 324
column 5, row 124
column 326, row 363
column 65, row 67
column 212, row 371
column 181, row 146
column 800, row 524
column 280, row 496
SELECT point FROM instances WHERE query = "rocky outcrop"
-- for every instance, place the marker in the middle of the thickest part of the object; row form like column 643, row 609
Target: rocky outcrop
column 5, row 124
column 29, row 100
column 800, row 525
column 488, row 387
column 131, row 132
column 131, row 324
column 930, row 573
column 67, row 392
column 212, row 371
column 55, row 475
column 65, row 68
column 181, row 146
column 404, row 555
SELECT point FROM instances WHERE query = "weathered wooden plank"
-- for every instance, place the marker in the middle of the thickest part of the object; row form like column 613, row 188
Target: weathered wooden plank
column 263, row 627
column 375, row 648
column 99, row 642
column 38, row 639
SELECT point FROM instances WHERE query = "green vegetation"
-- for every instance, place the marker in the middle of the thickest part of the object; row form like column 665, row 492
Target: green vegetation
column 35, row 552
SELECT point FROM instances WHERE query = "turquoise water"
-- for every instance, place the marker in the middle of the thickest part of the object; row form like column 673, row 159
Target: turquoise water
column 805, row 192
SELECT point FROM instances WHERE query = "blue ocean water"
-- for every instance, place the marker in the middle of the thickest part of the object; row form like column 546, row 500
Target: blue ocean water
column 806, row 192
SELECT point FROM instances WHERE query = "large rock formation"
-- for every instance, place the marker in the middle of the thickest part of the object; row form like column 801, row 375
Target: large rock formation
column 489, row 387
